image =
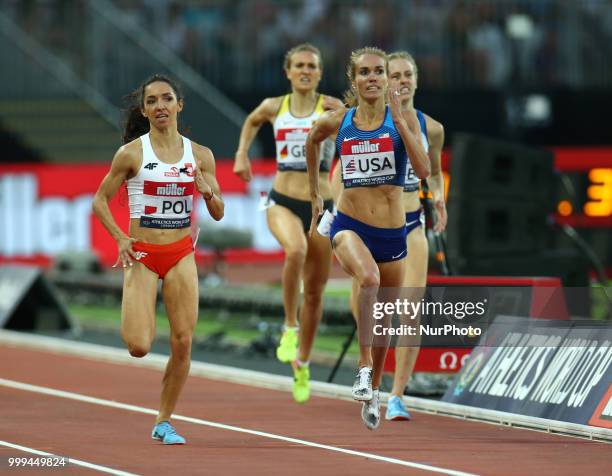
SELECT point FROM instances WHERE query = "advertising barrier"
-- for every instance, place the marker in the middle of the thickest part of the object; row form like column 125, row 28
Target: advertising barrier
column 45, row 210
column 558, row 370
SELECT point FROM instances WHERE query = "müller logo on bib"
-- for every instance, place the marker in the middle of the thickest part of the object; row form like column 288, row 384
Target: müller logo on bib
column 171, row 189
column 368, row 161
column 168, row 189
column 365, row 146
column 292, row 134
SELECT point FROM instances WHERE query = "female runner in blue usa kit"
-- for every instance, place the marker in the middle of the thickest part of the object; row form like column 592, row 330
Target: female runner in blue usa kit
column 162, row 169
column 307, row 257
column 368, row 234
column 403, row 76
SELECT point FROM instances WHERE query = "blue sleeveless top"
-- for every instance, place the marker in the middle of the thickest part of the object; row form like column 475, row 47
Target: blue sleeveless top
column 371, row 158
column 412, row 181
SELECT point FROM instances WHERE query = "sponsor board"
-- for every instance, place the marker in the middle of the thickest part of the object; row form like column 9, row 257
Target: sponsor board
column 559, row 370
column 602, row 416
column 434, row 359
column 45, row 210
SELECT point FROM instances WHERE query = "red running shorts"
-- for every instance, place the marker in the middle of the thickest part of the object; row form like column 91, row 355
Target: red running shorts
column 161, row 258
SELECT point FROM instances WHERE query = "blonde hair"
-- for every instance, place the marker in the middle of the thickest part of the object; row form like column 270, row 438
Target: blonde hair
column 350, row 97
column 404, row 55
column 298, row 49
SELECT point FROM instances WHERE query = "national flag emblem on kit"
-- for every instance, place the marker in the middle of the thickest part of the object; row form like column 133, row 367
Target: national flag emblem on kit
column 284, row 152
column 350, row 167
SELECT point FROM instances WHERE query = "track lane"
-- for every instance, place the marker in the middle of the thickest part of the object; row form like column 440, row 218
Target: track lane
column 429, row 439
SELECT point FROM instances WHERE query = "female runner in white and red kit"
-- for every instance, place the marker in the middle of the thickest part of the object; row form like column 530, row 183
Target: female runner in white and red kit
column 162, row 169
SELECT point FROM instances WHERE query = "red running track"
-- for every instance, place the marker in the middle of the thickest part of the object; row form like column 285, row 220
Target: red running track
column 120, row 439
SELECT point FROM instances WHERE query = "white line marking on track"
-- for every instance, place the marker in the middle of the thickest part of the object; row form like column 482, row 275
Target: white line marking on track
column 134, row 408
column 78, row 462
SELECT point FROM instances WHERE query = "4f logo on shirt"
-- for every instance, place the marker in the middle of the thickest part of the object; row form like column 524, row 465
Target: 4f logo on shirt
column 150, row 166
column 138, row 255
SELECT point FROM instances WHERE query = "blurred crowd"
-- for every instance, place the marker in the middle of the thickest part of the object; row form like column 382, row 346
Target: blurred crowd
column 239, row 44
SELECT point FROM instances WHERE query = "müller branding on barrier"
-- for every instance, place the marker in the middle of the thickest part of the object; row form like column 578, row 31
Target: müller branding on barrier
column 49, row 225
column 46, row 210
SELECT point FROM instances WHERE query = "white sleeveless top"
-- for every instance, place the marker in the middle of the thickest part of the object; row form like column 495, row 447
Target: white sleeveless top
column 290, row 135
column 161, row 194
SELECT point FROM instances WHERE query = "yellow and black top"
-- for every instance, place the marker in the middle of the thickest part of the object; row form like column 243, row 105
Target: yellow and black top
column 290, row 135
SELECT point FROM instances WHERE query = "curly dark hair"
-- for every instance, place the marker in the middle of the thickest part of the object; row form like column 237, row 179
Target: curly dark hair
column 134, row 123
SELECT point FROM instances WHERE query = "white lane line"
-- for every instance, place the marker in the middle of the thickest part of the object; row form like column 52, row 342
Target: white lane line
column 134, row 408
column 78, row 462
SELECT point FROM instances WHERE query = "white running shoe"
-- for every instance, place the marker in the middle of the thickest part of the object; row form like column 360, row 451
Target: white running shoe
column 362, row 388
column 370, row 412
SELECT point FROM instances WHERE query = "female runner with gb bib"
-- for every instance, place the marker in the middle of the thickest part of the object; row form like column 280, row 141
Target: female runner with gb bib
column 307, row 257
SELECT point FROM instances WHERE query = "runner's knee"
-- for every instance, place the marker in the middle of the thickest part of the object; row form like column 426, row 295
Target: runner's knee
column 370, row 280
column 138, row 349
column 296, row 255
column 181, row 344
column 313, row 295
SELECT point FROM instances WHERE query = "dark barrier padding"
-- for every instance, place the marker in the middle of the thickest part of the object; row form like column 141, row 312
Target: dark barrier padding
column 29, row 302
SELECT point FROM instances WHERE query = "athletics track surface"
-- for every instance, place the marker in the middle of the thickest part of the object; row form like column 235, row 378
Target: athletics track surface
column 52, row 413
